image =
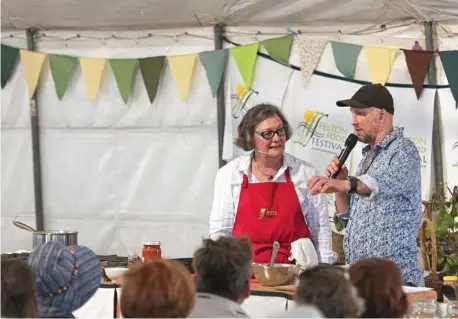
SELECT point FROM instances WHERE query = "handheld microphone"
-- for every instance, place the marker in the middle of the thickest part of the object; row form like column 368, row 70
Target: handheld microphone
column 350, row 143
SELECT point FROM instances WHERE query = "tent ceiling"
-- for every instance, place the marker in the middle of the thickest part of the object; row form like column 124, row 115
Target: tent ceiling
column 160, row 14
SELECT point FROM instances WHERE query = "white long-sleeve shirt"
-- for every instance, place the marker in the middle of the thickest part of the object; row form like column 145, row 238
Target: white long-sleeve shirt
column 227, row 188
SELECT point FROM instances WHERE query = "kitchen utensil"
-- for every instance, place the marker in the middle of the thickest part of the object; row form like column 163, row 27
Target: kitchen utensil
column 67, row 238
column 276, row 275
column 114, row 273
column 24, row 226
column 275, row 249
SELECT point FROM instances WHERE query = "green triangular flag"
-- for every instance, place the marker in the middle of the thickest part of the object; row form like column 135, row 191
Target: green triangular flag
column 346, row 55
column 62, row 67
column 214, row 63
column 123, row 70
column 450, row 63
column 279, row 48
column 151, row 69
column 245, row 56
column 9, row 57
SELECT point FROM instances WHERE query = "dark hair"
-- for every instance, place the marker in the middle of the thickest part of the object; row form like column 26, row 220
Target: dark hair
column 252, row 118
column 19, row 297
column 327, row 288
column 158, row 289
column 379, row 282
column 223, row 267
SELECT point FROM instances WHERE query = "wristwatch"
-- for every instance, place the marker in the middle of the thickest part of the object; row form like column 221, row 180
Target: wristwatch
column 353, row 184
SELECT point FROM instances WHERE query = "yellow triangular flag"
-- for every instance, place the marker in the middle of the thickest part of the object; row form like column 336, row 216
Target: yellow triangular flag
column 32, row 63
column 92, row 69
column 380, row 61
column 182, row 67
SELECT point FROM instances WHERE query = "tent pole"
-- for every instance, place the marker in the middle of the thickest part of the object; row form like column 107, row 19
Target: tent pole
column 218, row 31
column 432, row 45
column 30, row 33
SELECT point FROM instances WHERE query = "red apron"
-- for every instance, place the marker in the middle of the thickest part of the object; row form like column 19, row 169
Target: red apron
column 269, row 212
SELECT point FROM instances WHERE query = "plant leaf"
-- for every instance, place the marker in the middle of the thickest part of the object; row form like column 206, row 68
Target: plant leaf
column 440, row 257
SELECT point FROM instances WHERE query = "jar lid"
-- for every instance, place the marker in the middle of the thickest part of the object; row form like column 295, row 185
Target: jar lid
column 450, row 278
column 151, row 243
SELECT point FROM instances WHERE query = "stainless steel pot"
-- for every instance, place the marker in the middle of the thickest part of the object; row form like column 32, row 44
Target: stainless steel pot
column 67, row 238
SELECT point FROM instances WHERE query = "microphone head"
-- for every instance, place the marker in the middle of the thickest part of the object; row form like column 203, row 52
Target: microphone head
column 351, row 141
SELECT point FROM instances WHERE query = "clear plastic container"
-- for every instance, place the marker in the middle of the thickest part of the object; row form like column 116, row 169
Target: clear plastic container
column 424, row 308
column 452, row 309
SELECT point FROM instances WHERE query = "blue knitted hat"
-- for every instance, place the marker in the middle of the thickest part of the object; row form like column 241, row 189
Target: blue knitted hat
column 67, row 277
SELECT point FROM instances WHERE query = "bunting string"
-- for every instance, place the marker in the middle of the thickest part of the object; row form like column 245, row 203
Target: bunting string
column 380, row 61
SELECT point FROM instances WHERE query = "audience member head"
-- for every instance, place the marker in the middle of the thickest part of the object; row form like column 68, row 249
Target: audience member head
column 158, row 289
column 223, row 267
column 66, row 277
column 328, row 288
column 379, row 282
column 19, row 299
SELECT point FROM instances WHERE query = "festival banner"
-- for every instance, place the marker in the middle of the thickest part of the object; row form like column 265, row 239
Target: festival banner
column 270, row 83
column 449, row 119
column 320, row 128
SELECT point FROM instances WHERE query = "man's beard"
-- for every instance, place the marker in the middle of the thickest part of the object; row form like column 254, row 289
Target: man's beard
column 366, row 139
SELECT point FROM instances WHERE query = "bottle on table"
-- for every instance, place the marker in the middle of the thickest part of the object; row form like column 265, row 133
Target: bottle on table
column 151, row 251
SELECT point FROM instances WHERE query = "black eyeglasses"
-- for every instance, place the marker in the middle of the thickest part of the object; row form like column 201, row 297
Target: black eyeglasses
column 267, row 135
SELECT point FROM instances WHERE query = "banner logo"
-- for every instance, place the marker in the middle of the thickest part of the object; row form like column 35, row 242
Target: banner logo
column 308, row 128
column 244, row 100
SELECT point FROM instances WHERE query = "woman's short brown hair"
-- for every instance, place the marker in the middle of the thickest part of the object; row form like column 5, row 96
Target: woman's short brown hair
column 379, row 282
column 252, row 118
column 19, row 296
column 159, row 289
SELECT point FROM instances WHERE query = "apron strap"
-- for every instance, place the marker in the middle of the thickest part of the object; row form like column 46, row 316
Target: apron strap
column 245, row 181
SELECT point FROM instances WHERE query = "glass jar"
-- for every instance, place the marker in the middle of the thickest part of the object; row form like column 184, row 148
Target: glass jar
column 452, row 309
column 151, row 250
column 424, row 308
column 450, row 281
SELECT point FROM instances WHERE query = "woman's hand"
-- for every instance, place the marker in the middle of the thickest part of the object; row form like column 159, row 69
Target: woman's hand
column 320, row 185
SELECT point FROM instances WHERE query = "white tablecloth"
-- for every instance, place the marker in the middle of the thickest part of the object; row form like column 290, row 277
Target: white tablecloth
column 101, row 305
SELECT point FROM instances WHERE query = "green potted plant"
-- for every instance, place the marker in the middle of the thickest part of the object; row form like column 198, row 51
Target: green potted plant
column 445, row 221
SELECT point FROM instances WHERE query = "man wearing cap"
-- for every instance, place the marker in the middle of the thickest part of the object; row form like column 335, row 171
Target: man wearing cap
column 381, row 205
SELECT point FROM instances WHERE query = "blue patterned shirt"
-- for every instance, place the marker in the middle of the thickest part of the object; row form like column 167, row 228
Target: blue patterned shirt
column 385, row 224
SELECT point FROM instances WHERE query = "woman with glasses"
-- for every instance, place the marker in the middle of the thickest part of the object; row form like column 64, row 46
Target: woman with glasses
column 263, row 195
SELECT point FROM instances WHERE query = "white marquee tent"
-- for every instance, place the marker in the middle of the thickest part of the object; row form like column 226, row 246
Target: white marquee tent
column 120, row 174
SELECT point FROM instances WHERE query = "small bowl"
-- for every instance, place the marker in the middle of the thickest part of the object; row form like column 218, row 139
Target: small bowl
column 276, row 275
column 115, row 272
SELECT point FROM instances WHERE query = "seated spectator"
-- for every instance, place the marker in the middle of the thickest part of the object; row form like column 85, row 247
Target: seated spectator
column 66, row 277
column 19, row 298
column 223, row 271
column 379, row 282
column 328, row 288
column 158, row 289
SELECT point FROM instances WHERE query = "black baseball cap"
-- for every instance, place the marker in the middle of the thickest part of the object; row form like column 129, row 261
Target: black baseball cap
column 371, row 95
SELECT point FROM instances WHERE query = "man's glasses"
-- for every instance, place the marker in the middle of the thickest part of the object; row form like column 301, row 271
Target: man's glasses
column 267, row 135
